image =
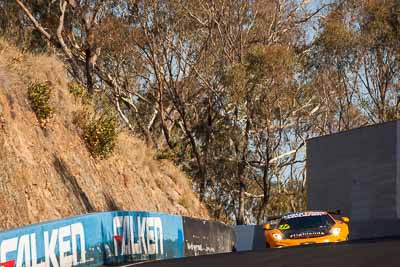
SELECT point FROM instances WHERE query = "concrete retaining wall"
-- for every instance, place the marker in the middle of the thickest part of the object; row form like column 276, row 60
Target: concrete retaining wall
column 207, row 237
column 358, row 172
column 249, row 237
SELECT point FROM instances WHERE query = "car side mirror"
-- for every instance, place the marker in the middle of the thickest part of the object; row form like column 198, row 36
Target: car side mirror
column 345, row 219
column 267, row 226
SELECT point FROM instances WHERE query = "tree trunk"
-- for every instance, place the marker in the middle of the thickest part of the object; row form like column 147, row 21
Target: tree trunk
column 203, row 184
column 89, row 79
column 261, row 212
column 242, row 188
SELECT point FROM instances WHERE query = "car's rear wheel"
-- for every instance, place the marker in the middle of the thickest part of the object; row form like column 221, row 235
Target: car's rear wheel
column 267, row 245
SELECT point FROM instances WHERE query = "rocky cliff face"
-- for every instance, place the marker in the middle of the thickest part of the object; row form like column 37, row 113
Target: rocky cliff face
column 48, row 173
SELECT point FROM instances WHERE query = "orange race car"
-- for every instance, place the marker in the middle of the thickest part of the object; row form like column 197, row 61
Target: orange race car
column 304, row 228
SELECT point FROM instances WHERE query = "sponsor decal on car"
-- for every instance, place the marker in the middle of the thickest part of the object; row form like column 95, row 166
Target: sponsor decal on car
column 303, row 214
column 284, row 227
column 307, row 234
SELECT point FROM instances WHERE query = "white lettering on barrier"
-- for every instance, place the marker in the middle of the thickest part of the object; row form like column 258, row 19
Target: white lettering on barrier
column 141, row 226
column 126, row 250
column 78, row 231
column 148, row 242
column 49, row 248
column 198, row 249
column 65, row 246
column 26, row 248
column 23, row 250
column 8, row 245
column 116, row 224
column 34, row 253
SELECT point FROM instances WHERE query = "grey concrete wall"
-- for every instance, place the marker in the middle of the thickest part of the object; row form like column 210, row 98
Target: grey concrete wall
column 204, row 237
column 249, row 237
column 356, row 172
column 244, row 237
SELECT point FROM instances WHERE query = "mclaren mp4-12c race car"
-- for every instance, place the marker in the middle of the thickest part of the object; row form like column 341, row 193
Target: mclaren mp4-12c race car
column 303, row 228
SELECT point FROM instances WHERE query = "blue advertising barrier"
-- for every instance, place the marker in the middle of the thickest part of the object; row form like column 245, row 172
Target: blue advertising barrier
column 94, row 239
column 142, row 236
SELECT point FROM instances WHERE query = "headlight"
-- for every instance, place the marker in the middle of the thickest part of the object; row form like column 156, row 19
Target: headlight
column 335, row 231
column 277, row 236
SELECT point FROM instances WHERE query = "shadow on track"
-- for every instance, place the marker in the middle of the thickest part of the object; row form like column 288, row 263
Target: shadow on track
column 378, row 252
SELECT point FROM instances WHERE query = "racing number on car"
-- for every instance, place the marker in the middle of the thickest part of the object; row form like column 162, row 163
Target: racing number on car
column 284, row 227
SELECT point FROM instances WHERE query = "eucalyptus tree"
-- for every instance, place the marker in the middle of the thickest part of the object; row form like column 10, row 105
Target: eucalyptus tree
column 218, row 86
column 356, row 63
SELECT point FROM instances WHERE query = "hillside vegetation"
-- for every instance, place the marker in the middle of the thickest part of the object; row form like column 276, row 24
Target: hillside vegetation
column 46, row 171
column 230, row 91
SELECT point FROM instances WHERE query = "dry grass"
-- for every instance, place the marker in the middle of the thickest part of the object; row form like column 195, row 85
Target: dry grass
column 48, row 173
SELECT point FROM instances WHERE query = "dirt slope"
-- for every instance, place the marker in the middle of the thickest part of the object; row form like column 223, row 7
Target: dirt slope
column 48, row 174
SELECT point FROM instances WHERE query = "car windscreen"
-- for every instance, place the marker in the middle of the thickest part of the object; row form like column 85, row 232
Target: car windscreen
column 305, row 222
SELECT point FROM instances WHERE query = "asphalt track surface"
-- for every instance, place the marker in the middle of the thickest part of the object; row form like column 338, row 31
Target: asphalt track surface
column 360, row 253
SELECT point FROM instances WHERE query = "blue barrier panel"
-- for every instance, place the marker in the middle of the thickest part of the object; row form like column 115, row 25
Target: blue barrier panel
column 142, row 236
column 70, row 242
column 93, row 240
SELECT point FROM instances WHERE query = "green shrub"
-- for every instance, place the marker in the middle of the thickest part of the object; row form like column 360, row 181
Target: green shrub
column 165, row 154
column 99, row 133
column 39, row 98
column 78, row 92
column 76, row 89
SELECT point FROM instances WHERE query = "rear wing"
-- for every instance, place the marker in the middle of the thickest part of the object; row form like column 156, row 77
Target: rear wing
column 334, row 212
column 274, row 218
column 277, row 217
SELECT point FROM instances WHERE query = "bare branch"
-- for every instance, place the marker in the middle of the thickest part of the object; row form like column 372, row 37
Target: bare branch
column 34, row 21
